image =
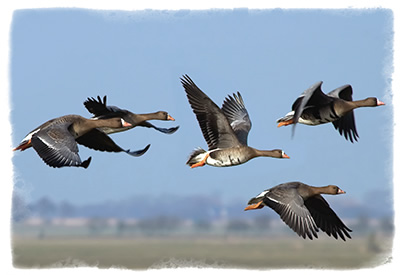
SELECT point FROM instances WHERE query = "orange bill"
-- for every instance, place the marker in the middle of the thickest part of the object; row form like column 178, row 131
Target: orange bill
column 285, row 156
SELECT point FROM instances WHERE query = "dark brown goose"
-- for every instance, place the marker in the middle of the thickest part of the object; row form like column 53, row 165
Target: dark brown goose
column 225, row 130
column 56, row 140
column 303, row 208
column 100, row 110
column 313, row 107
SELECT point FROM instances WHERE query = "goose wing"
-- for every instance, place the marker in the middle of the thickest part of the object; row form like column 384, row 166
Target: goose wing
column 238, row 117
column 100, row 109
column 57, row 147
column 290, row 206
column 312, row 97
column 98, row 140
column 326, row 218
column 344, row 92
column 162, row 130
column 346, row 124
column 214, row 125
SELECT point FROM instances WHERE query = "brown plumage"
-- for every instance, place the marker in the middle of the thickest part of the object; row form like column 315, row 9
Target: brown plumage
column 225, row 130
column 303, row 209
column 101, row 110
column 56, row 140
column 313, row 107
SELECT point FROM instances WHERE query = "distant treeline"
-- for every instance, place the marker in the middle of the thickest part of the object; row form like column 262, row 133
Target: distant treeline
column 195, row 208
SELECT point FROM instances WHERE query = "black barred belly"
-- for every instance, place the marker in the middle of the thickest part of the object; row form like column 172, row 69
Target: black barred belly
column 317, row 116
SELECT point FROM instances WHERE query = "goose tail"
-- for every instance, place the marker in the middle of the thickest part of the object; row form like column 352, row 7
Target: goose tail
column 196, row 156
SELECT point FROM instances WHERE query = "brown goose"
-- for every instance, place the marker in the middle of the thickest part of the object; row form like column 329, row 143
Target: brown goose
column 100, row 110
column 55, row 140
column 225, row 130
column 303, row 208
column 313, row 107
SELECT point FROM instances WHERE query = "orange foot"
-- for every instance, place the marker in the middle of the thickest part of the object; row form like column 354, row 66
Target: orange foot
column 200, row 163
column 254, row 206
column 285, row 123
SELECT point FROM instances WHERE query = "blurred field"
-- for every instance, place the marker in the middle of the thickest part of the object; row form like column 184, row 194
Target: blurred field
column 219, row 252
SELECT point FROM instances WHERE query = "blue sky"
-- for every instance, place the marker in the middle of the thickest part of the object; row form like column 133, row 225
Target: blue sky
column 59, row 57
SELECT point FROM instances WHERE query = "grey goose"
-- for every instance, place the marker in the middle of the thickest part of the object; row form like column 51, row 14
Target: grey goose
column 313, row 107
column 56, row 140
column 101, row 110
column 225, row 130
column 303, row 209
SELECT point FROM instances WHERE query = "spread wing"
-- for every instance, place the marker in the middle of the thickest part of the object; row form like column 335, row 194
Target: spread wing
column 326, row 218
column 214, row 125
column 100, row 109
column 238, row 117
column 345, row 125
column 344, row 92
column 290, row 207
column 57, row 147
column 312, row 97
column 162, row 130
column 98, row 140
